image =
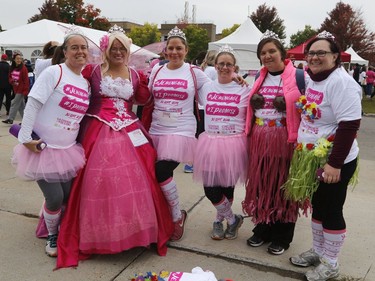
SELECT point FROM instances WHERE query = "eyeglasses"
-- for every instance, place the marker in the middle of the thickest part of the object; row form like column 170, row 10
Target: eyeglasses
column 319, row 54
column 121, row 50
column 222, row 64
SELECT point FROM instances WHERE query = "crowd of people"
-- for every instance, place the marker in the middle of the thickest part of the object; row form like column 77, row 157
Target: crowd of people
column 107, row 176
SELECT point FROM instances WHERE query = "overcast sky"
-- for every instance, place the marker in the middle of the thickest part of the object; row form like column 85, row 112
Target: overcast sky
column 223, row 13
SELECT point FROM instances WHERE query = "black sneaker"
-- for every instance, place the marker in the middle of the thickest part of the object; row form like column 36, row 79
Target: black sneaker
column 276, row 249
column 255, row 241
column 7, row 121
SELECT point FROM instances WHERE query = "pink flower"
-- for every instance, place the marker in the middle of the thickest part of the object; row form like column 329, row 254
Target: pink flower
column 104, row 42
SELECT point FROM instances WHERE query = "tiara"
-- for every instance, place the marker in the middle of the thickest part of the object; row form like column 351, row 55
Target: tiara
column 226, row 49
column 73, row 29
column 269, row 34
column 325, row 35
column 115, row 29
column 176, row 32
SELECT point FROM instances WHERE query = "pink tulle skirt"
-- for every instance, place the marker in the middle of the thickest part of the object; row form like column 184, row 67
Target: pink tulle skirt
column 221, row 160
column 175, row 147
column 269, row 161
column 117, row 211
column 51, row 165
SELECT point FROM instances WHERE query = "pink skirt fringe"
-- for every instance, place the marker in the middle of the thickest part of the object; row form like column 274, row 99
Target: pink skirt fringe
column 269, row 161
column 175, row 147
column 51, row 165
column 221, row 160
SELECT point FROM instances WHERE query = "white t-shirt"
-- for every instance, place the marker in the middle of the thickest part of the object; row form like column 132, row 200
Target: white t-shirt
column 174, row 91
column 211, row 72
column 40, row 65
column 225, row 107
column 271, row 88
column 57, row 123
column 337, row 99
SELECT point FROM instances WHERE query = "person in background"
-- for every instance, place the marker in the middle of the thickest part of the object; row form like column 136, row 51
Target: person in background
column 216, row 166
column 208, row 64
column 56, row 105
column 327, row 140
column 272, row 124
column 370, row 79
column 174, row 86
column 5, row 87
column 116, row 202
column 19, row 80
column 356, row 72
column 47, row 52
column 30, row 74
column 58, row 56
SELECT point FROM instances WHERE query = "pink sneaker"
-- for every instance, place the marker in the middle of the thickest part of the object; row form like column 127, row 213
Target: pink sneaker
column 179, row 227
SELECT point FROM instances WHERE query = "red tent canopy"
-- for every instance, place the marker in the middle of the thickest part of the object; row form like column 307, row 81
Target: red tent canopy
column 298, row 52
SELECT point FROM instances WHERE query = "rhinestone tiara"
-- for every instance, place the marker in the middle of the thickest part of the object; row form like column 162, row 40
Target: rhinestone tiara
column 269, row 34
column 176, row 32
column 73, row 29
column 115, row 29
column 226, row 49
column 325, row 35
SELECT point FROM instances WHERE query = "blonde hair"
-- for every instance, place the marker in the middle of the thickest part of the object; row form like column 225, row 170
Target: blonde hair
column 124, row 40
column 209, row 59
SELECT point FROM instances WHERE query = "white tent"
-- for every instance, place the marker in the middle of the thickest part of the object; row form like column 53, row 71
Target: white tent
column 30, row 38
column 244, row 41
column 355, row 58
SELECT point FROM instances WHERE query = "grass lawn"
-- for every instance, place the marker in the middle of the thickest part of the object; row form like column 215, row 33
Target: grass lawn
column 368, row 105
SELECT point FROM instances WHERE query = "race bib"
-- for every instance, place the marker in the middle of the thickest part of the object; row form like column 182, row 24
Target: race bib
column 137, row 137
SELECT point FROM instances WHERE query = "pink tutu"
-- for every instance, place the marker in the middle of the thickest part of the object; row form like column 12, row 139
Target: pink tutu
column 221, row 160
column 175, row 147
column 51, row 165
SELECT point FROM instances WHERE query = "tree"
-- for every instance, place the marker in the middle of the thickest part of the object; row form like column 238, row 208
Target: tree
column 226, row 31
column 48, row 11
column 349, row 29
column 302, row 36
column 267, row 18
column 145, row 35
column 197, row 39
column 73, row 12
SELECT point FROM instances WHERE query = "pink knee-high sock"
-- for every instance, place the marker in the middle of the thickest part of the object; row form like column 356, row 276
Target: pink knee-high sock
column 52, row 219
column 224, row 210
column 169, row 189
column 333, row 242
column 318, row 238
column 219, row 216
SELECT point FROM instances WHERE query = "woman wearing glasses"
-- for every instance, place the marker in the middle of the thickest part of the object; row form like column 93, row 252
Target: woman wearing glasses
column 272, row 123
column 331, row 114
column 222, row 159
column 57, row 103
column 116, row 202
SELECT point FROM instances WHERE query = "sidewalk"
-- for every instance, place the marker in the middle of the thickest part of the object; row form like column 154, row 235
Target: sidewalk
column 22, row 255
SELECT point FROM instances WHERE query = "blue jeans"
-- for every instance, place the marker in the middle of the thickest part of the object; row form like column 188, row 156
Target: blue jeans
column 369, row 89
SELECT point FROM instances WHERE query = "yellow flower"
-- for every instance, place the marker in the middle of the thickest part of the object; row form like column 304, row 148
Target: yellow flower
column 259, row 121
column 322, row 147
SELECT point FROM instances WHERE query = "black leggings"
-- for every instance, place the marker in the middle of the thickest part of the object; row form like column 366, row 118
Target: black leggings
column 215, row 193
column 55, row 193
column 328, row 201
column 164, row 169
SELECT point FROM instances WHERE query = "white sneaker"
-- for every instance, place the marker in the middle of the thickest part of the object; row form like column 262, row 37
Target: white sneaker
column 323, row 271
column 51, row 245
column 306, row 259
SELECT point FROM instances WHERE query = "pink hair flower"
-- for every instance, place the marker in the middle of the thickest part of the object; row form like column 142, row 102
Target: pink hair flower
column 104, row 42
